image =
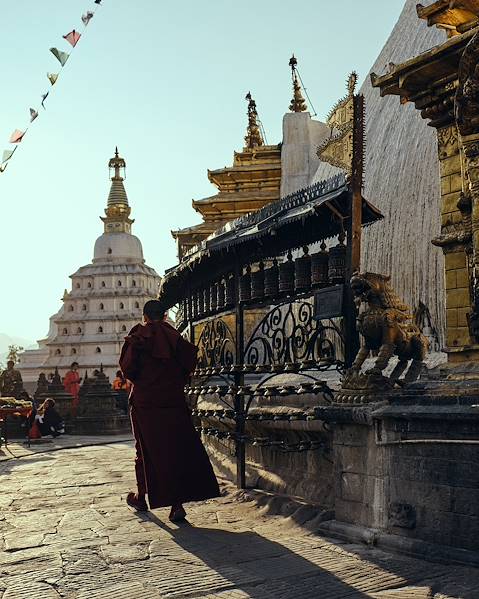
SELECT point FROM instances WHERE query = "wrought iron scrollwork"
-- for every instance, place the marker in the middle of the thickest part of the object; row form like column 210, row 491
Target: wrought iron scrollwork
column 216, row 345
column 289, row 333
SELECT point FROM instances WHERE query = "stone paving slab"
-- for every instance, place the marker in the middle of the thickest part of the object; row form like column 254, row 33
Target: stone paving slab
column 19, row 449
column 66, row 532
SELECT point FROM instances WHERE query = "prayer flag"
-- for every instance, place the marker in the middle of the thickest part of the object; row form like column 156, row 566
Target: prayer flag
column 87, row 17
column 33, row 114
column 7, row 154
column 72, row 38
column 44, row 97
column 52, row 77
column 17, row 136
column 61, row 56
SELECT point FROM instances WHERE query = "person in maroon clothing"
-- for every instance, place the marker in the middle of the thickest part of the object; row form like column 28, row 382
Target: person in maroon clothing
column 171, row 465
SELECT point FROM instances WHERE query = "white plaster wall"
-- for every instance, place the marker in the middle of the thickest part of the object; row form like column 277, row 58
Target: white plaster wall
column 299, row 162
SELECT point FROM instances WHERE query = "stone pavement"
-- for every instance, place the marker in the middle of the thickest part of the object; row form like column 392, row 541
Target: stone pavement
column 66, row 532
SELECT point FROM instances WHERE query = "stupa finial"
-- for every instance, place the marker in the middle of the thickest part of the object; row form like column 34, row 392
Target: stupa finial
column 298, row 103
column 253, row 136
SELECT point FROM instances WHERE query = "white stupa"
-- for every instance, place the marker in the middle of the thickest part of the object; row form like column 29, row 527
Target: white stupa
column 105, row 301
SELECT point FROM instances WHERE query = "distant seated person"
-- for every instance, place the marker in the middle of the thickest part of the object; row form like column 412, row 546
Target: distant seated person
column 48, row 420
column 120, row 383
column 71, row 381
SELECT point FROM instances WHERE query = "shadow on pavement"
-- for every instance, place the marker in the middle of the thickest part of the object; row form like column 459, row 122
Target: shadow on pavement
column 262, row 568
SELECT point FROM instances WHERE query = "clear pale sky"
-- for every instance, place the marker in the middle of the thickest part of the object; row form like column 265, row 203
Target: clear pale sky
column 165, row 81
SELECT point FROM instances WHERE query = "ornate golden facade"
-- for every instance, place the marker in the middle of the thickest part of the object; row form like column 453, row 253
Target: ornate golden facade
column 443, row 83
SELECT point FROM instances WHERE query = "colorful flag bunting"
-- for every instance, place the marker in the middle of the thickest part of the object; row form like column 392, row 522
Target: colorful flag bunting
column 52, row 77
column 7, row 154
column 73, row 37
column 61, row 56
column 17, row 136
column 87, row 17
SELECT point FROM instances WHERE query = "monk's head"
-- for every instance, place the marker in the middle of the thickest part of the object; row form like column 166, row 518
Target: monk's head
column 154, row 311
column 74, row 366
column 10, row 364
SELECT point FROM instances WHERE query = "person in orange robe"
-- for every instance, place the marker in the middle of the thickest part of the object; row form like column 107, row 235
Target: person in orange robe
column 71, row 382
column 172, row 466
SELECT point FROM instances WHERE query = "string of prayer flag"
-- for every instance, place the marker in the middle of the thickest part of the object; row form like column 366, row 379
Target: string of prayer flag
column 73, row 37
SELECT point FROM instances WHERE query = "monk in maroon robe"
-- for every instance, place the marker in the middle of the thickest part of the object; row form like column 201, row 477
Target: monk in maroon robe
column 171, row 466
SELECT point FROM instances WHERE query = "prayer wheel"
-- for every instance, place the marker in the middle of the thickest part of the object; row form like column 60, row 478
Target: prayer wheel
column 271, row 280
column 302, row 271
column 245, row 286
column 230, row 291
column 319, row 267
column 213, row 297
column 200, row 303
column 286, row 275
column 207, row 299
column 257, row 283
column 221, row 294
column 337, row 262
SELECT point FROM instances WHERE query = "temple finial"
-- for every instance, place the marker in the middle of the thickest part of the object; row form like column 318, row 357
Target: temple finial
column 298, row 103
column 253, row 136
column 117, row 211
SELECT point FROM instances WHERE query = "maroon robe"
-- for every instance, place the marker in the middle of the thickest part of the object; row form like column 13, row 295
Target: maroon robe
column 171, row 463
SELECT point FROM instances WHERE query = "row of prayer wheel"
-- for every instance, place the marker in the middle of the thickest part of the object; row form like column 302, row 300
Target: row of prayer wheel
column 307, row 272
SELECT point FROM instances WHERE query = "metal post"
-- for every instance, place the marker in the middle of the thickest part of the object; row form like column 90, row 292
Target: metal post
column 239, row 381
column 354, row 229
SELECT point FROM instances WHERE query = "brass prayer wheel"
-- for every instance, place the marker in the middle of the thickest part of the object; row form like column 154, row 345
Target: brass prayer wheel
column 221, row 294
column 302, row 271
column 257, row 283
column 245, row 286
column 271, row 280
column 319, row 267
column 337, row 262
column 286, row 275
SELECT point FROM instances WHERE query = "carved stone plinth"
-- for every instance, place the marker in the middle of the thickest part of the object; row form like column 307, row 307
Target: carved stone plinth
column 363, row 388
column 97, row 412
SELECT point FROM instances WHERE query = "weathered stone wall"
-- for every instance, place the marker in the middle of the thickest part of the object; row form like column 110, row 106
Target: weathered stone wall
column 426, row 488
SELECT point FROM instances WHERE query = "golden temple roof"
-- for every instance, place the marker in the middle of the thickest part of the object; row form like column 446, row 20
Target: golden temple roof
column 455, row 16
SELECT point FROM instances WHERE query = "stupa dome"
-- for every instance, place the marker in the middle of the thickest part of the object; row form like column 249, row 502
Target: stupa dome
column 114, row 246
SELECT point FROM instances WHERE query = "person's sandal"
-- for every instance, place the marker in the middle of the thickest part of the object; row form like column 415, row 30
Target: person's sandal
column 137, row 504
column 177, row 514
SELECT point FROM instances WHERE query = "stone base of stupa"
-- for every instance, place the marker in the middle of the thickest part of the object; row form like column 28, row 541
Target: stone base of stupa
column 104, row 424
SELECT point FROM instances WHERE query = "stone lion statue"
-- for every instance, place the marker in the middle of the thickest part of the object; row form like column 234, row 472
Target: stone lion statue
column 386, row 326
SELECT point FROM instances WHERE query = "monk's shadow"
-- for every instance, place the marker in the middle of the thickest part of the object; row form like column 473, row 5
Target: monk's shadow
column 262, row 568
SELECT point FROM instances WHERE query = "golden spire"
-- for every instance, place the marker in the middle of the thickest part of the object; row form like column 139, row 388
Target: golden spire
column 117, row 219
column 253, row 134
column 298, row 103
